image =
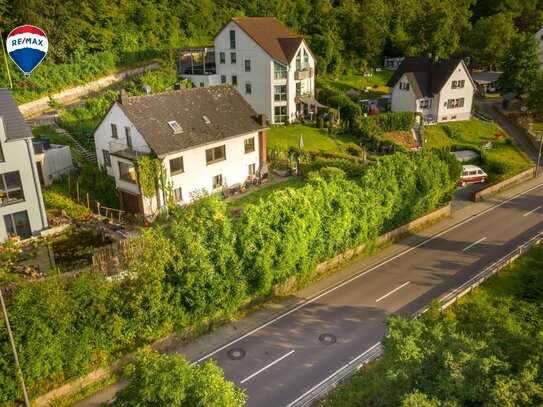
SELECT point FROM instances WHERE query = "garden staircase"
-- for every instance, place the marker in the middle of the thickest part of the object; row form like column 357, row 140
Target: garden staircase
column 86, row 154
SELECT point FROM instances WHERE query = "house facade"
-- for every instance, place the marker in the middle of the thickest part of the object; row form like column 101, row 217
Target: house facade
column 208, row 139
column 272, row 68
column 442, row 90
column 22, row 212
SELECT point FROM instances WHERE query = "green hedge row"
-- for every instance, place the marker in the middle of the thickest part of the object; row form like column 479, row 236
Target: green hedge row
column 206, row 264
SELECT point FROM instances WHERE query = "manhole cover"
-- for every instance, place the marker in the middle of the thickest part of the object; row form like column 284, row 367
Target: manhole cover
column 236, row 353
column 327, row 339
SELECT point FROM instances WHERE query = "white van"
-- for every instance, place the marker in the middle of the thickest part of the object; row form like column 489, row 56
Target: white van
column 471, row 174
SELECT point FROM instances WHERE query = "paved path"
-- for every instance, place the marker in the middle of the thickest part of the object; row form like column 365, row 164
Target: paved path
column 285, row 352
column 511, row 128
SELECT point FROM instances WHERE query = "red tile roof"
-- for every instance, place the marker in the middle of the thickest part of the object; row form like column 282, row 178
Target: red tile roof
column 273, row 36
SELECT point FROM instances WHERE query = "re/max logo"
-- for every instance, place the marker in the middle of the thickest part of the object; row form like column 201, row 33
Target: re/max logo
column 27, row 40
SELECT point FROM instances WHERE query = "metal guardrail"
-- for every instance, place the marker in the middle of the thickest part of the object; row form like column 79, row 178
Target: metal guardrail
column 338, row 378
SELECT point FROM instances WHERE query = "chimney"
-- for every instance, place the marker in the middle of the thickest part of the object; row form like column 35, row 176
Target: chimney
column 262, row 120
column 262, row 146
column 123, row 97
column 177, row 86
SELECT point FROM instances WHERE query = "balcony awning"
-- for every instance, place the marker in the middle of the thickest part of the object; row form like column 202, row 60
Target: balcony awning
column 311, row 101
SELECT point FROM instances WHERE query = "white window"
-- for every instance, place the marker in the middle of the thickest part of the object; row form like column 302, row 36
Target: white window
column 458, row 84
column 176, row 166
column 233, row 58
column 455, row 103
column 217, row 181
column 114, row 133
column 107, row 158
column 249, row 144
column 252, row 169
column 425, row 103
column 248, row 89
column 404, row 85
column 215, row 154
column 280, row 114
column 235, row 80
column 223, row 78
column 247, row 65
column 279, row 71
column 222, row 57
column 280, row 93
column 177, row 195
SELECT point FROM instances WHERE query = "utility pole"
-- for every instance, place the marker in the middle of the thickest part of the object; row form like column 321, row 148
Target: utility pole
column 12, row 342
column 539, row 155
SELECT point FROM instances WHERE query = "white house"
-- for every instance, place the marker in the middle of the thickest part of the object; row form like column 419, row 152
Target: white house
column 270, row 66
column 22, row 212
column 53, row 161
column 442, row 90
column 207, row 138
column 539, row 37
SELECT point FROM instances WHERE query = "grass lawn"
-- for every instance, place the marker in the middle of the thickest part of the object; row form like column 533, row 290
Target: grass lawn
column 359, row 82
column 288, row 136
column 254, row 195
column 477, row 133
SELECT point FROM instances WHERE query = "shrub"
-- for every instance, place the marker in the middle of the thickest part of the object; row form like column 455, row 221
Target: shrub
column 354, row 150
column 453, row 132
column 392, row 121
column 320, row 122
column 55, row 200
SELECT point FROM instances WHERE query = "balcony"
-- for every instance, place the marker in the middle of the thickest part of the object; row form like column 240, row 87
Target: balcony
column 303, row 74
column 121, row 148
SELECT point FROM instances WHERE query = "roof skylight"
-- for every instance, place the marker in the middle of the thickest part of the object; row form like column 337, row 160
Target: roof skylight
column 175, row 127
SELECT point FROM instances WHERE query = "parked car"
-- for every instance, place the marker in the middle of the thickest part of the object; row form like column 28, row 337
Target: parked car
column 471, row 174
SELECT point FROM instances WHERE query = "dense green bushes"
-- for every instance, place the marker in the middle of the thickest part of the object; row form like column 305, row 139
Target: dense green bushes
column 169, row 381
column 206, row 265
column 393, row 121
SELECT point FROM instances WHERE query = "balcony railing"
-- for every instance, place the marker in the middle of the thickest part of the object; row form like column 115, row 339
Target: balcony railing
column 303, row 74
column 120, row 148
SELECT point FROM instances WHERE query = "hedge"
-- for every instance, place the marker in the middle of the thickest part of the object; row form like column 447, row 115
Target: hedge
column 205, row 265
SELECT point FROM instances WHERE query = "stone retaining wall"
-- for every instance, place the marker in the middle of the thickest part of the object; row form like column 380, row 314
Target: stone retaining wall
column 481, row 194
column 38, row 106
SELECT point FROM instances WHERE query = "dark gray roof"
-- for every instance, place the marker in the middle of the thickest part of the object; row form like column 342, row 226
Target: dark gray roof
column 486, row 77
column 228, row 112
column 14, row 124
column 427, row 76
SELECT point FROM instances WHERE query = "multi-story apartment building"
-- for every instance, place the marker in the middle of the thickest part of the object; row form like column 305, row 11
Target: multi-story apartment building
column 271, row 67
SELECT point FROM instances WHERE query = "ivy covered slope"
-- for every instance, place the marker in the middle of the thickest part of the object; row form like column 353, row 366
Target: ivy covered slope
column 206, row 264
column 90, row 38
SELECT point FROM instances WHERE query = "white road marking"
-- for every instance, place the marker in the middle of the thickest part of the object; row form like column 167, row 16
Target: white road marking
column 265, row 367
column 335, row 373
column 392, row 292
column 473, row 244
column 532, row 211
column 327, row 291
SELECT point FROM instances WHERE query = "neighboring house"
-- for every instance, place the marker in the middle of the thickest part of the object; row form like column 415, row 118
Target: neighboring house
column 208, row 138
column 52, row 161
column 442, row 90
column 539, row 37
column 392, row 64
column 270, row 66
column 486, row 81
column 22, row 212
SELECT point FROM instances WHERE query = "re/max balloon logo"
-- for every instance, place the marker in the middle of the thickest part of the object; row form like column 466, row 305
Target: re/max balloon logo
column 27, row 46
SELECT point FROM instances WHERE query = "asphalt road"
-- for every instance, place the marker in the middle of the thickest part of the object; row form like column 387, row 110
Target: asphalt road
column 282, row 360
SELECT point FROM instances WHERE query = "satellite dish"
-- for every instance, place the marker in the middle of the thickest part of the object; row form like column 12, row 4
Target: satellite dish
column 146, row 89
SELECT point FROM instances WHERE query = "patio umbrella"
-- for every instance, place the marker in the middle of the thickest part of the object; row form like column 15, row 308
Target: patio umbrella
column 301, row 142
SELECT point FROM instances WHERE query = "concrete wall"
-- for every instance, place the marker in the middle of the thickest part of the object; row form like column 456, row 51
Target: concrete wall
column 19, row 156
column 500, row 186
column 55, row 162
column 72, row 94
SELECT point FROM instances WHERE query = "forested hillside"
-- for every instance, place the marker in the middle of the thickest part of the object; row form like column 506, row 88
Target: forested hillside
column 95, row 36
